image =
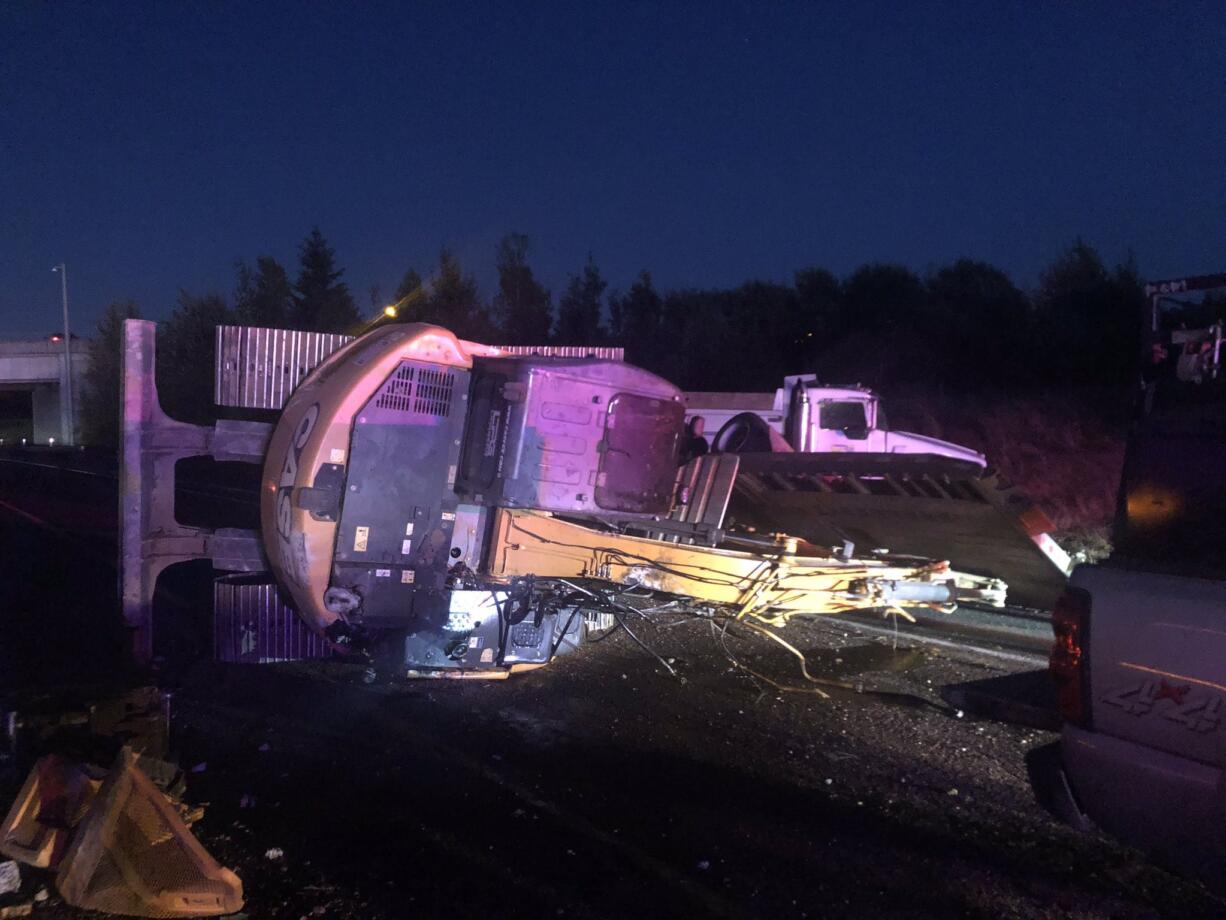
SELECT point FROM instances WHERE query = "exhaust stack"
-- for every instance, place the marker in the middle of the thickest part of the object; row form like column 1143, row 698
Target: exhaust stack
column 799, row 415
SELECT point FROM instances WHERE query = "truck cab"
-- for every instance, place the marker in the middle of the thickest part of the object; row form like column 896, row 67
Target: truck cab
column 1140, row 653
column 820, row 418
column 842, row 419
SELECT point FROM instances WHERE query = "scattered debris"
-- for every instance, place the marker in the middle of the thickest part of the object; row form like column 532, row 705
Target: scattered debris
column 120, row 840
column 10, row 877
column 132, row 854
column 52, row 802
column 97, row 719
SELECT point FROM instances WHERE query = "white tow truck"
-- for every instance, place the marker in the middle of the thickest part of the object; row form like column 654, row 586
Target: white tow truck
column 1140, row 651
column 814, row 418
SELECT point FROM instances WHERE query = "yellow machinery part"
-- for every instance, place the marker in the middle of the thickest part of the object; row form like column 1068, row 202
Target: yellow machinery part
column 764, row 585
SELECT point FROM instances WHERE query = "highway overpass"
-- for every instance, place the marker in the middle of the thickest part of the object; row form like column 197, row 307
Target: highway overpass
column 32, row 382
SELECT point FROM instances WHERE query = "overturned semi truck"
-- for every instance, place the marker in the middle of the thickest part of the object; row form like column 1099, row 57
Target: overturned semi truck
column 460, row 509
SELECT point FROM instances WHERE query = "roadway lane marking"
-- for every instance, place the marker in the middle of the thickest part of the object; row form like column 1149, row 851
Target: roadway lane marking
column 22, row 513
column 62, row 469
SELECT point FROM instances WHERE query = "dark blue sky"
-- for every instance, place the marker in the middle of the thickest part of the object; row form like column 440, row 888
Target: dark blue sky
column 152, row 146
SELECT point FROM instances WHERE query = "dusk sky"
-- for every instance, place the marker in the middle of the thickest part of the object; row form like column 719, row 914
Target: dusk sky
column 151, row 146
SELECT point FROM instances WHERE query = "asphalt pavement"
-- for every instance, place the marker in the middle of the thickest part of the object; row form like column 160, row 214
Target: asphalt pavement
column 600, row 786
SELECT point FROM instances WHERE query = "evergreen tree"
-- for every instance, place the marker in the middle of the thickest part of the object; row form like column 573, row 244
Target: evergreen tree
column 453, row 302
column 699, row 343
column 322, row 302
column 1089, row 318
column 636, row 314
column 579, row 308
column 411, row 299
column 522, row 307
column 263, row 295
column 820, row 318
column 880, row 297
column 980, row 330
column 186, row 343
column 820, row 301
column 765, row 320
column 409, row 285
column 101, row 384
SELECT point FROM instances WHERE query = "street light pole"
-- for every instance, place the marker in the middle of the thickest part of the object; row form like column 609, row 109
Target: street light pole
column 70, row 433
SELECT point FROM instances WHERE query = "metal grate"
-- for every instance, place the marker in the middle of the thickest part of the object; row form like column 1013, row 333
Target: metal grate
column 398, row 391
column 604, row 352
column 252, row 624
column 259, row 368
column 434, row 393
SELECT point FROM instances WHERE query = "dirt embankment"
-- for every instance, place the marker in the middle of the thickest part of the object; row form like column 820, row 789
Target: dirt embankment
column 1065, row 450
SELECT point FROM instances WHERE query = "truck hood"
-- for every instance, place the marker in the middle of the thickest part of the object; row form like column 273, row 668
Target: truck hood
column 904, row 442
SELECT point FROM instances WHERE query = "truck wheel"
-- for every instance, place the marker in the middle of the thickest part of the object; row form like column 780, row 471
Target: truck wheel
column 743, row 434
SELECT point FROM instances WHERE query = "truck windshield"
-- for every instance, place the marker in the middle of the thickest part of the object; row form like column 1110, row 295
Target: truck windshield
column 838, row 416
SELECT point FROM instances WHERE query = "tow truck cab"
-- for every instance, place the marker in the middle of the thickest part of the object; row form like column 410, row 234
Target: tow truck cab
column 835, row 419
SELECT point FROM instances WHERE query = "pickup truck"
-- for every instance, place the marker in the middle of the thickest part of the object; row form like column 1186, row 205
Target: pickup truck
column 1140, row 647
column 818, row 418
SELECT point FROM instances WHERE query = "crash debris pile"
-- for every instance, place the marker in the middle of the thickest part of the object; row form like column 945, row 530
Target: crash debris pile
column 117, row 840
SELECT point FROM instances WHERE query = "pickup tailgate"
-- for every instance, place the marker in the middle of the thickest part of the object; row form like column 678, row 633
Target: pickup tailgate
column 1157, row 659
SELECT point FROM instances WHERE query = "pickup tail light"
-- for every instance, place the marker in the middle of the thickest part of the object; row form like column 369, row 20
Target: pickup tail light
column 1070, row 621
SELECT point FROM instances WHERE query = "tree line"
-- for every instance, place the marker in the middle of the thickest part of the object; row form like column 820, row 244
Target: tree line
column 962, row 327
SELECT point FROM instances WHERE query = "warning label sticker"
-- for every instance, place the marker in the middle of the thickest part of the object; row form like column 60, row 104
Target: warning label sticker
column 360, row 537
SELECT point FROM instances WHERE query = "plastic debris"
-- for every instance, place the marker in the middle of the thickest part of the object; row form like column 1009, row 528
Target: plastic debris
column 52, row 801
column 10, row 877
column 274, row 853
column 132, row 854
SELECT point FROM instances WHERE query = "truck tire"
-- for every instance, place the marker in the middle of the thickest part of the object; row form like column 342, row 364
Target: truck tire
column 743, row 434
